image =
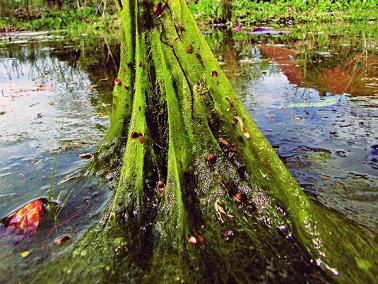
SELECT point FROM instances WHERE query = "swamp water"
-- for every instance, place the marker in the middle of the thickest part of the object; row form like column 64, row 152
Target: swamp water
column 313, row 93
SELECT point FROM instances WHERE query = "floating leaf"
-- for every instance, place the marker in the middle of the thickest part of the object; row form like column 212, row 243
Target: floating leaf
column 61, row 240
column 26, row 219
column 86, row 156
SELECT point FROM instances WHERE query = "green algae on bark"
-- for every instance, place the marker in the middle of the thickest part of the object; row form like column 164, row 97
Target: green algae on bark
column 203, row 196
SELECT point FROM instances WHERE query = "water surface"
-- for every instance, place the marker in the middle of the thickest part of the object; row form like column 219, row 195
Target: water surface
column 313, row 93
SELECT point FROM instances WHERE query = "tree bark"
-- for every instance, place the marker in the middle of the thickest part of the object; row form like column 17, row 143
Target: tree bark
column 201, row 196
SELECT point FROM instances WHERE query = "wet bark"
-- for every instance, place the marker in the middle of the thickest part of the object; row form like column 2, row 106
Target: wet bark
column 201, row 196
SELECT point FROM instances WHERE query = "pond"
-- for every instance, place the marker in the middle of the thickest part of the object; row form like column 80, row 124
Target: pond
column 312, row 92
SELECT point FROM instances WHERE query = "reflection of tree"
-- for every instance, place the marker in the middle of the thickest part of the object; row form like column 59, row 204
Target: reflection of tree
column 346, row 72
column 72, row 63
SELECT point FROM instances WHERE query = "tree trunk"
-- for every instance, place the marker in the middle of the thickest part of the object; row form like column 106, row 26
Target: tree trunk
column 227, row 7
column 201, row 196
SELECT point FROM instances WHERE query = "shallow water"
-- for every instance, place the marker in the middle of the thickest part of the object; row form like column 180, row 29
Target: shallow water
column 55, row 98
column 313, row 93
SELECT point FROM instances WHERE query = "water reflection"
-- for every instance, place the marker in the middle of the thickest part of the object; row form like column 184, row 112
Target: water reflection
column 55, row 96
column 313, row 94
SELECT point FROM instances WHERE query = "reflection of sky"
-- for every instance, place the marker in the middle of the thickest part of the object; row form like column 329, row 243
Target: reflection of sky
column 47, row 105
column 346, row 129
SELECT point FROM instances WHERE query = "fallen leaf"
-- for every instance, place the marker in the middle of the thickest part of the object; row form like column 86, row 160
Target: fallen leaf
column 86, row 156
column 25, row 253
column 26, row 219
column 243, row 127
column 61, row 240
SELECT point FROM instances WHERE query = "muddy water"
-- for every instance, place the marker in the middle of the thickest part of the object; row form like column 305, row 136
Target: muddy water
column 313, row 93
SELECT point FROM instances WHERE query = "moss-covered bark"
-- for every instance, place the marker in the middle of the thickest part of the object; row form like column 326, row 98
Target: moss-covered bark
column 201, row 195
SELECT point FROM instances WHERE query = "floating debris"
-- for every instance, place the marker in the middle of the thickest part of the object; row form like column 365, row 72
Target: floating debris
column 86, row 156
column 267, row 30
column 61, row 240
column 26, row 220
column 25, row 253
